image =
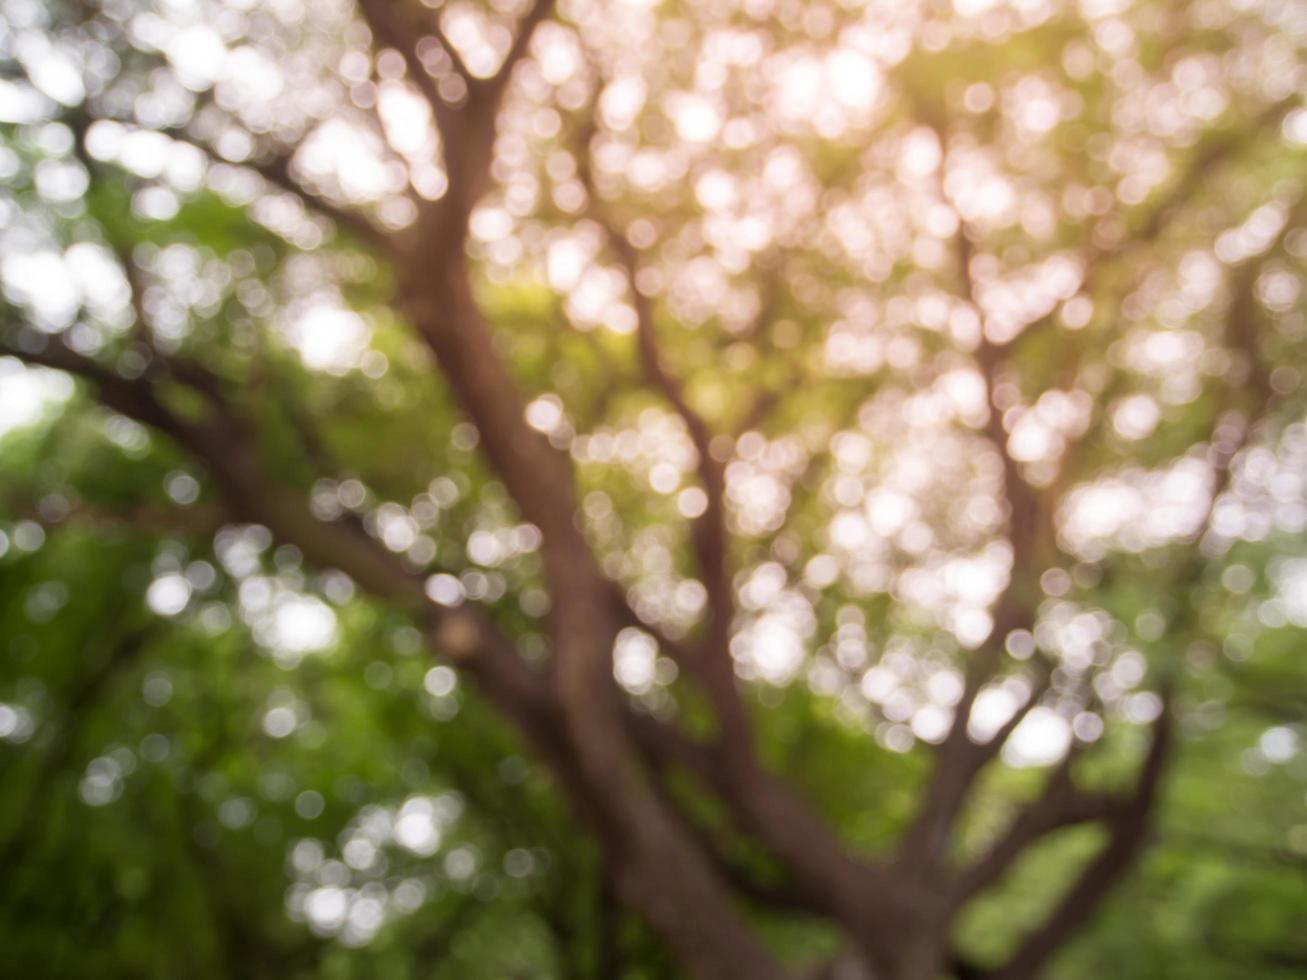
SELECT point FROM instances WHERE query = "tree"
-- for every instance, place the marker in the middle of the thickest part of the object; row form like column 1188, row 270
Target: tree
column 841, row 444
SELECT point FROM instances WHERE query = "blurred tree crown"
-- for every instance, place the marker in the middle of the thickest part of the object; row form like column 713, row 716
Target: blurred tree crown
column 728, row 489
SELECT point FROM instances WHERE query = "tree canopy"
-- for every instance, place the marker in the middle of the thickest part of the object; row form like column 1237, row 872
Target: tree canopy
column 753, row 488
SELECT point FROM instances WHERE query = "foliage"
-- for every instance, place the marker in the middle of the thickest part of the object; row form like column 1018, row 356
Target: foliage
column 916, row 364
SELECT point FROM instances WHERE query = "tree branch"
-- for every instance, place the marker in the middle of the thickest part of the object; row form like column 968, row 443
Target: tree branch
column 384, row 19
column 713, row 662
column 959, row 761
column 850, row 890
column 1127, row 830
column 224, row 444
column 276, row 170
column 1059, row 805
column 1159, row 216
column 537, row 14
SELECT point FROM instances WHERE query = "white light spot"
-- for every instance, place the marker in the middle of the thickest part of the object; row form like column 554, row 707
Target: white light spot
column 1135, row 417
column 168, row 595
column 326, row 908
column 445, row 590
column 416, row 828
column 197, row 55
column 634, row 661
column 26, row 394
column 329, row 339
column 440, row 681
column 309, row 804
column 42, row 280
column 302, row 624
column 697, row 119
column 854, row 78
column 1041, row 739
column 279, row 721
column 545, row 413
column 691, row 502
column 102, row 782
column 1279, row 744
column 16, row 723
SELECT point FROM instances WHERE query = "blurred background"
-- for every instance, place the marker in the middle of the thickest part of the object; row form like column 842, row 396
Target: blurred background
column 990, row 313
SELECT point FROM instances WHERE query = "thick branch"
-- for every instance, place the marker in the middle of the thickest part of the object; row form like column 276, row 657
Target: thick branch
column 199, row 519
column 854, row 892
column 657, row 868
column 1127, row 829
column 223, row 443
column 958, row 760
column 1059, row 805
column 768, row 808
